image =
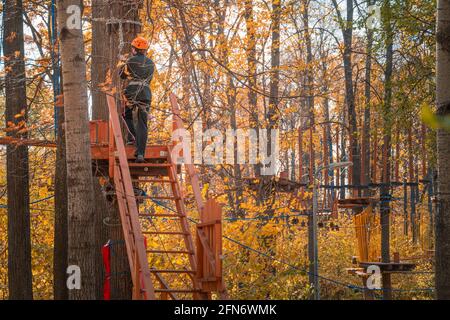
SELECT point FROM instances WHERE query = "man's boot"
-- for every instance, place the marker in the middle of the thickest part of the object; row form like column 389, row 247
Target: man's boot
column 140, row 158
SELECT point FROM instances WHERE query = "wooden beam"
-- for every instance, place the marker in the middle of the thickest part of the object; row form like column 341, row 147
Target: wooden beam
column 27, row 142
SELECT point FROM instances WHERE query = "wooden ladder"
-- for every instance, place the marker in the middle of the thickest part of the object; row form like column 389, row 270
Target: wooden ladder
column 175, row 212
column 131, row 178
column 134, row 239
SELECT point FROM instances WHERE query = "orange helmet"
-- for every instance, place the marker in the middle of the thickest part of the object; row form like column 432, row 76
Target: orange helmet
column 140, row 43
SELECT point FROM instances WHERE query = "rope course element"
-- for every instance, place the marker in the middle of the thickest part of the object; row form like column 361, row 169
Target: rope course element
column 263, row 254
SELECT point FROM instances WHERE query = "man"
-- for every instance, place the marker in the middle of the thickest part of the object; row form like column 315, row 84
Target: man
column 138, row 69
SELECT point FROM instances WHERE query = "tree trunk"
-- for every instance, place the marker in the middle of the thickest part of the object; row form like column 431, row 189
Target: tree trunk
column 385, row 192
column 310, row 101
column 442, row 233
column 100, row 54
column 365, row 148
column 60, row 240
column 120, row 35
column 231, row 100
column 61, row 233
column 99, row 69
column 273, row 113
column 19, row 239
column 347, row 33
column 81, row 235
column 252, row 95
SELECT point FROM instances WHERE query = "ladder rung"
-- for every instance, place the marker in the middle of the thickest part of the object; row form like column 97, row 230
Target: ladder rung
column 158, row 198
column 166, row 232
column 170, row 251
column 172, row 271
column 177, row 290
column 163, row 215
column 151, row 165
column 153, row 181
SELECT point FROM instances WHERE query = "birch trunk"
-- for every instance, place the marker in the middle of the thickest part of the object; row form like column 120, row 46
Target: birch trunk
column 81, row 236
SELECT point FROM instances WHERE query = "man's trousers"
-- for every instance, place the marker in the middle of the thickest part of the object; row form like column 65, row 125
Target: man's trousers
column 139, row 132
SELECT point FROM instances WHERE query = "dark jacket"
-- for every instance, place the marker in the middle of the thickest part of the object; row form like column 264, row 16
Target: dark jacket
column 139, row 71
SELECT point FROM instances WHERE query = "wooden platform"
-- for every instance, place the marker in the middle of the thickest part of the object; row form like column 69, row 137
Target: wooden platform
column 155, row 155
column 154, row 166
column 389, row 267
column 351, row 203
column 101, row 152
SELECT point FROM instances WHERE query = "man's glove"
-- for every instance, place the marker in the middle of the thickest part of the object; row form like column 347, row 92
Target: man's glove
column 122, row 61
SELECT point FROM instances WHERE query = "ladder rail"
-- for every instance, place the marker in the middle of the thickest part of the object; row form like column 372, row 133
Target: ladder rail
column 190, row 168
column 139, row 243
column 179, row 203
column 195, row 183
column 123, row 211
column 149, row 282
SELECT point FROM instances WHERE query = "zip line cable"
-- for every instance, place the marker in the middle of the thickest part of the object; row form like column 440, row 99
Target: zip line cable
column 349, row 286
column 336, row 282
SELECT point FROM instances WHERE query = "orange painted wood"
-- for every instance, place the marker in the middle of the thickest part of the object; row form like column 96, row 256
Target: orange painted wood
column 165, row 290
column 99, row 130
column 171, row 251
column 181, row 209
column 190, row 168
column 108, row 146
column 166, row 232
column 177, row 198
column 124, row 213
column 209, row 246
column 111, row 153
column 101, row 152
column 176, row 290
column 164, row 215
column 130, row 201
column 171, row 271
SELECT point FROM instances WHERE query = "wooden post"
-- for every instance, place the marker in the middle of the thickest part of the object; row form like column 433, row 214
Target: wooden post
column 375, row 158
column 129, row 201
column 412, row 189
column 209, row 249
column 338, row 171
column 424, row 152
column 326, row 199
column 397, row 155
column 190, row 168
column 300, row 159
column 405, row 208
